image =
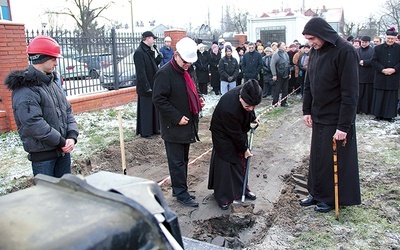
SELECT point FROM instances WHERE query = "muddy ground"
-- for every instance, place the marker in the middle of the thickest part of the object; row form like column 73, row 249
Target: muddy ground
column 281, row 148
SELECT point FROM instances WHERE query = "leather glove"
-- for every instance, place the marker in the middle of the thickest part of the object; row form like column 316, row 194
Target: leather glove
column 149, row 91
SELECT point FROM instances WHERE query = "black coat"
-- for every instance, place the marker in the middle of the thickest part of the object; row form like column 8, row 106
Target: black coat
column 228, row 67
column 251, row 65
column 171, row 100
column 42, row 112
column 202, row 67
column 230, row 123
column 366, row 71
column 214, row 61
column 331, row 86
column 386, row 57
column 146, row 67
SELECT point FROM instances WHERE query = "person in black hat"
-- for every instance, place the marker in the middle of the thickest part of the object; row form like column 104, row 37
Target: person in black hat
column 329, row 108
column 366, row 73
column 146, row 59
column 230, row 123
column 386, row 61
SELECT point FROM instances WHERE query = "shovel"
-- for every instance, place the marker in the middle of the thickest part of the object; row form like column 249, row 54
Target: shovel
column 246, row 175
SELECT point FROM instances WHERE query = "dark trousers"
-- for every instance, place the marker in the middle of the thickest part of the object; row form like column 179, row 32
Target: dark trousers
column 280, row 85
column 56, row 167
column 178, row 158
column 267, row 89
column 203, row 88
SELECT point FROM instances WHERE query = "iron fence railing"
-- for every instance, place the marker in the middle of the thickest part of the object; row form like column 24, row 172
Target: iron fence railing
column 91, row 64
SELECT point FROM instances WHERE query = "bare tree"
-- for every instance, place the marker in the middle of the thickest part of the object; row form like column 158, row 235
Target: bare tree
column 389, row 16
column 235, row 20
column 84, row 14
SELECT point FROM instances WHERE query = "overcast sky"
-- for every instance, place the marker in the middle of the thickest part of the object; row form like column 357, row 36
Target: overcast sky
column 180, row 13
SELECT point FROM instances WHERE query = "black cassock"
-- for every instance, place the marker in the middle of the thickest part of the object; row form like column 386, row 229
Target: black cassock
column 229, row 126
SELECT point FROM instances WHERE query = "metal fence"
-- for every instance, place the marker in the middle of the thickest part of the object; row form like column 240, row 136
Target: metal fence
column 94, row 64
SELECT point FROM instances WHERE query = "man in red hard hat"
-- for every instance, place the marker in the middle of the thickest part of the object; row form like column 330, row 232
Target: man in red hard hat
column 43, row 115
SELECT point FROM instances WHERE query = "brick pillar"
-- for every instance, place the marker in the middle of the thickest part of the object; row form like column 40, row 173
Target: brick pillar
column 241, row 38
column 175, row 35
column 12, row 57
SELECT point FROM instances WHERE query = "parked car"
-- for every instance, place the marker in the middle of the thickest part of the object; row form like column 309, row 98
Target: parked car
column 96, row 63
column 71, row 69
column 60, row 82
column 126, row 74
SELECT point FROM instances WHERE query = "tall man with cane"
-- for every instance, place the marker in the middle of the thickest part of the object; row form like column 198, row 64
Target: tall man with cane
column 329, row 108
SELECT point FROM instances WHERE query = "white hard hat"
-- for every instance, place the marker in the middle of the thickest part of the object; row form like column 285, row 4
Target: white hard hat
column 187, row 49
column 167, row 39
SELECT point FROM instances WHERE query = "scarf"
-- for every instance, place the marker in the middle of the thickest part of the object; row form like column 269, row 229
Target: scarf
column 193, row 97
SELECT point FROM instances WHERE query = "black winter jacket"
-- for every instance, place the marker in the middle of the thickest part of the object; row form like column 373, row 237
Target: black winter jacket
column 202, row 67
column 42, row 113
column 171, row 100
column 251, row 65
column 228, row 67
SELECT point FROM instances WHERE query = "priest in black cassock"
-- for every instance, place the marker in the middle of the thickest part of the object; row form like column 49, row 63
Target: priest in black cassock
column 386, row 61
column 229, row 126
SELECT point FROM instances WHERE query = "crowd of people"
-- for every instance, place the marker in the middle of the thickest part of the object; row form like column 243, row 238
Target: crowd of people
column 336, row 79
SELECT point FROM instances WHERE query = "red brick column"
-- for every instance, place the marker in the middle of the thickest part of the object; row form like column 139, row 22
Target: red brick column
column 241, row 38
column 12, row 57
column 175, row 35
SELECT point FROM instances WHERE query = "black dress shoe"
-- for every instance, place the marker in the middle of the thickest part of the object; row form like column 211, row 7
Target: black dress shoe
column 251, row 196
column 223, row 206
column 322, row 207
column 191, row 196
column 189, row 202
column 308, row 201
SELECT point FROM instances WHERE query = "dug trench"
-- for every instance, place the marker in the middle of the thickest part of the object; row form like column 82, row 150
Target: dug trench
column 280, row 147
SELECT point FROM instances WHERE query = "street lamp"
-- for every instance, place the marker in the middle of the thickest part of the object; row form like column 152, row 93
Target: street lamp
column 132, row 25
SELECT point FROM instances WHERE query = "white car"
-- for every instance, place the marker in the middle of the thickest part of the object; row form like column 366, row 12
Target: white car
column 72, row 69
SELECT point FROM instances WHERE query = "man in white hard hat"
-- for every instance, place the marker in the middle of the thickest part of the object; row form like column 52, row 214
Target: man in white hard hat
column 167, row 51
column 176, row 97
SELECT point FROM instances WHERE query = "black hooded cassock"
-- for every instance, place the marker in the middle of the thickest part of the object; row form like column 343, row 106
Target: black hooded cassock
column 386, row 86
column 229, row 126
column 330, row 97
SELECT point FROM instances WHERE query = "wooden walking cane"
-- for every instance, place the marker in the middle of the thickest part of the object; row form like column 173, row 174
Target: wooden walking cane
column 335, row 176
column 335, row 179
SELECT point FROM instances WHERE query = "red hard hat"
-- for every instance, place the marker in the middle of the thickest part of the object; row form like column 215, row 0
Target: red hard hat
column 44, row 45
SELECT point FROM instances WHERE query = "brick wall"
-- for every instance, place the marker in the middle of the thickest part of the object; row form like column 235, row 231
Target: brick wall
column 12, row 56
column 241, row 38
column 103, row 100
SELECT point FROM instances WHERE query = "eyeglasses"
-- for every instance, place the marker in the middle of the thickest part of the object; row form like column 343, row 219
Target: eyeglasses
column 183, row 60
